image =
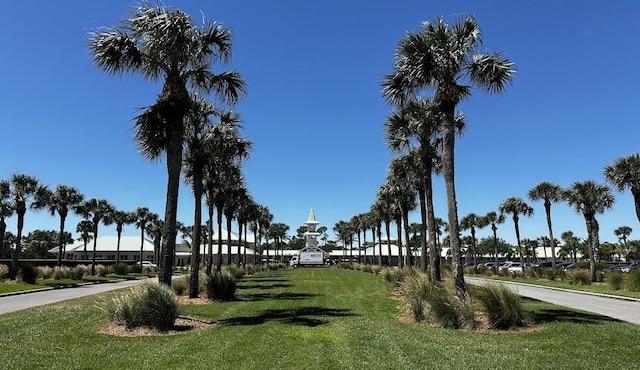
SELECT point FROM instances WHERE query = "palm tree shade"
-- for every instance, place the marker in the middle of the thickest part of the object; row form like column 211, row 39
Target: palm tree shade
column 164, row 44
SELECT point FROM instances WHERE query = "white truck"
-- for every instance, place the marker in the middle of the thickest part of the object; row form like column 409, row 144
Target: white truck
column 307, row 259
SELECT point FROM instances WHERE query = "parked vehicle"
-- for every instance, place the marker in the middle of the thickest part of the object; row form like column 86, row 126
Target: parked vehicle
column 562, row 265
column 544, row 264
column 515, row 266
column 307, row 259
column 571, row 266
column 147, row 264
column 617, row 268
column 631, row 267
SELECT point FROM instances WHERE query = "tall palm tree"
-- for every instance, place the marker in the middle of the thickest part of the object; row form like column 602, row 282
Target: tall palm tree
column 154, row 231
column 515, row 207
column 356, row 226
column 85, row 229
column 385, row 207
column 549, row 193
column 571, row 244
column 264, row 220
column 343, row 230
column 120, row 218
column 493, row 219
column 164, row 44
column 375, row 213
column 96, row 210
column 278, row 232
column 143, row 217
column 471, row 222
column 6, row 209
column 60, row 201
column 441, row 57
column 403, row 180
column 25, row 191
column 589, row 199
column 624, row 173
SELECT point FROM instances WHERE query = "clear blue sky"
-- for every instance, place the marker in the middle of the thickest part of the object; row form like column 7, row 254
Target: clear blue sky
column 314, row 109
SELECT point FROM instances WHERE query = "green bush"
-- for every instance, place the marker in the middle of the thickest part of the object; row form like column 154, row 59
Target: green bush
column 221, row 286
column 61, row 273
column 180, row 285
column 237, row 272
column 415, row 290
column 632, row 281
column 250, row 269
column 28, row 273
column 615, row 280
column 101, row 270
column 583, row 265
column 367, row 268
column 80, row 271
column 148, row 305
column 579, row 277
column 135, row 269
column 120, row 269
column 376, row 269
column 446, row 308
column 501, row 304
column 4, row 272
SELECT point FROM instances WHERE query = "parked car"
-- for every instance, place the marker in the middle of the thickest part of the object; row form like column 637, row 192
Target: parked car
column 489, row 265
column 562, row 265
column 544, row 264
column 147, row 264
column 515, row 266
column 617, row 267
column 631, row 267
column 571, row 266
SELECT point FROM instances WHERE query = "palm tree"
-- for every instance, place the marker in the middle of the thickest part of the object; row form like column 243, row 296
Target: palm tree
column 6, row 209
column 154, row 231
column 85, row 229
column 97, row 210
column 403, row 180
column 471, row 222
column 493, row 219
column 356, row 226
column 590, row 198
column 142, row 217
column 164, row 44
column 622, row 233
column 25, row 192
column 624, row 173
column 120, row 218
column 549, row 193
column 63, row 199
column 385, row 207
column 264, row 220
column 516, row 207
column 571, row 243
column 440, row 56
column 278, row 232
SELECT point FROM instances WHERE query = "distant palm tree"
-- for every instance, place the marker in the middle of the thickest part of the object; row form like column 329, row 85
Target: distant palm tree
column 25, row 192
column 356, row 226
column 265, row 218
column 624, row 173
column 589, row 199
column 571, row 244
column 516, row 207
column 162, row 43
column 63, row 199
column 6, row 209
column 96, row 210
column 120, row 218
column 85, row 229
column 623, row 233
column 385, row 206
column 439, row 57
column 549, row 193
column 471, row 222
column 404, row 181
column 493, row 219
column 143, row 217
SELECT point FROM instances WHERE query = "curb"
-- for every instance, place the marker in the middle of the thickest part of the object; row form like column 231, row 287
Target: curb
column 560, row 289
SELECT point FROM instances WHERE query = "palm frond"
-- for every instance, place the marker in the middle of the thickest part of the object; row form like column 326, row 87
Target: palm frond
column 491, row 72
column 229, row 86
column 114, row 51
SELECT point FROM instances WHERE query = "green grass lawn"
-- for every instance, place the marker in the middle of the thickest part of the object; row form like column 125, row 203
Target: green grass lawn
column 17, row 287
column 43, row 283
column 317, row 318
column 601, row 288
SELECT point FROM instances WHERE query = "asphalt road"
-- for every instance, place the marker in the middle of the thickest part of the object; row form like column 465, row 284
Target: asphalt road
column 19, row 302
column 621, row 309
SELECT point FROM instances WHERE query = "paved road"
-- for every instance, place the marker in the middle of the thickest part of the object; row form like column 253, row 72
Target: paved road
column 39, row 298
column 621, row 309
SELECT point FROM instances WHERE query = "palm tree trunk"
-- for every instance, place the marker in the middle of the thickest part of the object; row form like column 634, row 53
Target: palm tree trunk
column 244, row 254
column 3, row 229
column 592, row 231
column 409, row 255
column 95, row 243
column 359, row 249
column 423, row 226
column 142, row 227
column 515, row 222
column 430, row 222
column 228, row 240
column 210, row 241
column 473, row 247
column 373, row 233
column 219, row 260
column 495, row 248
column 60, row 241
column 13, row 272
column 636, row 200
column 448, row 171
column 399, row 231
column 197, row 225
column 379, row 244
column 239, row 241
column 169, row 231
column 387, row 229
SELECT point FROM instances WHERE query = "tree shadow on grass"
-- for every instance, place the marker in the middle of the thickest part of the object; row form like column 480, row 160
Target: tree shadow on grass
column 305, row 316
column 264, row 280
column 545, row 316
column 264, row 286
column 275, row 296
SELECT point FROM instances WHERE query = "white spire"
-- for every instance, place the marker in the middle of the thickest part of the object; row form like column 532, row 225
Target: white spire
column 312, row 218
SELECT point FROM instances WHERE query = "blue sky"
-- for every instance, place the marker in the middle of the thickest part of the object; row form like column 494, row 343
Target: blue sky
column 314, row 109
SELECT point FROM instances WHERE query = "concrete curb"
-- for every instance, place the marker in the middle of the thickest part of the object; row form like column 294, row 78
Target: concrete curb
column 558, row 289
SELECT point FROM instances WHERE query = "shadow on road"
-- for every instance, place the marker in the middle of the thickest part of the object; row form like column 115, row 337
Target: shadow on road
column 564, row 315
column 305, row 316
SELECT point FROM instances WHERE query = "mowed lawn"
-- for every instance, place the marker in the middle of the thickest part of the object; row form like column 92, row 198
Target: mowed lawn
column 318, row 318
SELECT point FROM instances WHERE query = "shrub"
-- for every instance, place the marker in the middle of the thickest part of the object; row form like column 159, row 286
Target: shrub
column 101, row 270
column 632, row 281
column 376, row 269
column 28, row 273
column 367, row 268
column 415, row 289
column 180, row 285
column 61, row 272
column 45, row 272
column 579, row 277
column 148, row 304
column 221, row 286
column 237, row 272
column 4, row 272
column 135, row 269
column 80, row 271
column 501, row 304
column 120, row 269
column 561, row 274
column 615, row 280
column 551, row 274
column 250, row 269
column 446, row 308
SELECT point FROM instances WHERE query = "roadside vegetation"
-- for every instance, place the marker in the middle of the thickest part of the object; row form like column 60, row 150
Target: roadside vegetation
column 313, row 318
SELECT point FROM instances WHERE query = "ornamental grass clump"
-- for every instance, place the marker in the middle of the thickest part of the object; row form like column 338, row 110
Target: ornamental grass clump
column 101, row 270
column 448, row 309
column 367, row 268
column 579, row 277
column 180, row 285
column 28, row 273
column 80, row 271
column 4, row 272
column 502, row 305
column 45, row 272
column 615, row 280
column 632, row 281
column 120, row 269
column 221, row 286
column 236, row 271
column 61, row 273
column 146, row 305
column 415, row 291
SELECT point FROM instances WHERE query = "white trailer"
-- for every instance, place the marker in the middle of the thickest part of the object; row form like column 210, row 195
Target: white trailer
column 307, row 258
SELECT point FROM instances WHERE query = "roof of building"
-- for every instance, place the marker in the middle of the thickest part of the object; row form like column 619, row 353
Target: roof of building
column 109, row 243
